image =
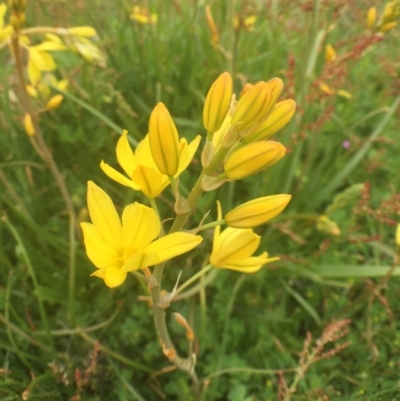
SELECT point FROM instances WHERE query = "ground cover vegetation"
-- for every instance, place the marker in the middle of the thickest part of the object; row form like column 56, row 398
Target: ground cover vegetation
column 320, row 323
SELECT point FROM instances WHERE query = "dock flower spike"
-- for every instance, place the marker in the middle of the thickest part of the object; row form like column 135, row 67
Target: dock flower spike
column 141, row 169
column 117, row 247
column 234, row 247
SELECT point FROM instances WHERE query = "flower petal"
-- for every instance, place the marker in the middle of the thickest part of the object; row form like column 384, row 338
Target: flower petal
column 139, row 261
column 187, row 153
column 149, row 181
column 98, row 251
column 173, row 245
column 104, row 216
column 235, row 245
column 252, row 264
column 140, row 226
column 118, row 177
column 125, row 155
column 113, row 276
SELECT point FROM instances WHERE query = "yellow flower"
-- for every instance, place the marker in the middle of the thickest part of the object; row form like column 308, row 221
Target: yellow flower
column 281, row 114
column 5, row 31
column 398, row 235
column 141, row 168
column 54, row 102
column 117, row 247
column 371, row 17
column 143, row 16
column 28, row 125
column 257, row 211
column 213, row 27
column 330, row 54
column 234, row 247
column 164, row 140
column 253, row 107
column 217, row 102
column 253, row 158
column 84, row 31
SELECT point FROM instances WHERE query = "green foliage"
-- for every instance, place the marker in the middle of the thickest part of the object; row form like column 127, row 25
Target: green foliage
column 342, row 161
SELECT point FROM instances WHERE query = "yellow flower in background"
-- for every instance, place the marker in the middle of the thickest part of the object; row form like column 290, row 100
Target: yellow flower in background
column 330, row 53
column 253, row 158
column 117, row 246
column 164, row 140
column 28, row 125
column 257, row 211
column 216, row 105
column 388, row 20
column 280, row 115
column 212, row 26
column 40, row 60
column 84, row 31
column 140, row 167
column 247, row 23
column 234, row 247
column 54, row 102
column 5, row 30
column 371, row 17
column 398, row 235
column 143, row 16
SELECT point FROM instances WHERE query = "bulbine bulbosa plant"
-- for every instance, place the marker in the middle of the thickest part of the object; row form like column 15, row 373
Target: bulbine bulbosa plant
column 142, row 242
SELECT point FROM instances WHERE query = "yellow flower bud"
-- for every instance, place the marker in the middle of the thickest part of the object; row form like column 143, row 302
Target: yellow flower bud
column 54, row 102
column 330, row 54
column 387, row 27
column 253, row 158
column 164, row 140
column 371, row 17
column 275, row 85
column 31, row 91
column 28, row 124
column 398, row 235
column 217, row 102
column 82, row 31
column 257, row 211
column 245, row 89
column 253, row 107
column 279, row 117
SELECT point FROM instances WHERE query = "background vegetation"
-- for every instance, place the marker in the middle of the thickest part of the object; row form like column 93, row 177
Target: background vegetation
column 336, row 240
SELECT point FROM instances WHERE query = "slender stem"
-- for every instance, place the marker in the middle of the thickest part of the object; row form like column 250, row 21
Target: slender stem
column 192, row 279
column 39, row 143
column 211, row 225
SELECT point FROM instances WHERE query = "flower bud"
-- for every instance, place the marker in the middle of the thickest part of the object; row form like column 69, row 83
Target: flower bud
column 217, row 102
column 253, row 158
column 54, row 102
column 257, row 211
column 82, row 31
column 253, row 107
column 278, row 118
column 398, row 235
column 28, row 124
column 330, row 54
column 371, row 17
column 275, row 85
column 164, row 140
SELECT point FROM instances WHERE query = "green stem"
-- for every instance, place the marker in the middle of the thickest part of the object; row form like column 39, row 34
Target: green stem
column 192, row 279
column 210, row 225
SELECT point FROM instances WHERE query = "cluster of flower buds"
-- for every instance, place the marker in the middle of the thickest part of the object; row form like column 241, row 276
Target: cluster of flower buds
column 236, row 147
